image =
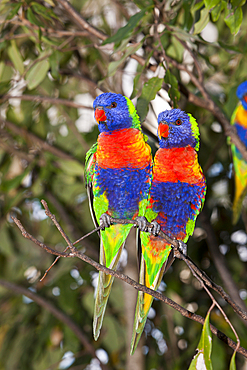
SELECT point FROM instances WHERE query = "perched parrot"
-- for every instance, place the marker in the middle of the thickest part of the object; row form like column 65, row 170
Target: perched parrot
column 239, row 120
column 176, row 197
column 118, row 179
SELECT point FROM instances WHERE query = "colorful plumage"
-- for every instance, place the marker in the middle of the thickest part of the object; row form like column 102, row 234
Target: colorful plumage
column 239, row 120
column 176, row 197
column 118, row 177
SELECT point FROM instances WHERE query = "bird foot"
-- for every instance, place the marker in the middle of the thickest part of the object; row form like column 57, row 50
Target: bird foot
column 155, row 229
column 182, row 247
column 141, row 223
column 104, row 221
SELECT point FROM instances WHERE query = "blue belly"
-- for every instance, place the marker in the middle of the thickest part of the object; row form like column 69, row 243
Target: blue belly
column 176, row 203
column 124, row 189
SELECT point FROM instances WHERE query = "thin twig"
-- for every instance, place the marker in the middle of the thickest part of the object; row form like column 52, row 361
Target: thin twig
column 36, row 140
column 48, row 99
column 65, row 250
column 80, row 21
column 215, row 303
column 197, row 65
column 75, row 253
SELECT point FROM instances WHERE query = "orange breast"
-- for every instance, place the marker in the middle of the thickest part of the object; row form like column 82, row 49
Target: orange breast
column 123, row 148
column 177, row 164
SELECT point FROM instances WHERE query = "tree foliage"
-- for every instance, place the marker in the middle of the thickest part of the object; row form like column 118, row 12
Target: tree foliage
column 56, row 57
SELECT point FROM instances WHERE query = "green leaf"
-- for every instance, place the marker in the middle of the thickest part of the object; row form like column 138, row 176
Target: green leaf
column 197, row 6
column 203, row 21
column 188, row 19
column 143, row 3
column 14, row 10
column 236, row 3
column 175, row 50
column 32, row 19
column 8, row 185
column 215, row 13
column 16, row 57
column 4, row 87
column 6, row 72
column 43, row 11
column 125, row 32
column 37, row 74
column 71, row 168
column 2, row 65
column 137, row 82
column 3, row 45
column 149, row 92
column 173, row 91
column 233, row 363
column 211, row 3
column 50, row 2
column 54, row 63
column 122, row 46
column 231, row 47
column 202, row 360
column 233, row 19
column 6, row 246
column 113, row 66
column 136, row 86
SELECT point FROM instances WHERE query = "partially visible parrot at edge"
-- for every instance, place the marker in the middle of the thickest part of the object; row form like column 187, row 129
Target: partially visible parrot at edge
column 176, row 197
column 118, row 179
column 239, row 120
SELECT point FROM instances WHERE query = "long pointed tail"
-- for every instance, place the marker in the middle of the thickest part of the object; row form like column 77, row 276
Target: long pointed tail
column 144, row 301
column 103, row 290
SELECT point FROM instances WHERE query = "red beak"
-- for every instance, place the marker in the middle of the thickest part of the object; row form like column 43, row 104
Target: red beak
column 163, row 130
column 99, row 115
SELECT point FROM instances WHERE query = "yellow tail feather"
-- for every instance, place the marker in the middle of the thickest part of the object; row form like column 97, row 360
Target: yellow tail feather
column 144, row 302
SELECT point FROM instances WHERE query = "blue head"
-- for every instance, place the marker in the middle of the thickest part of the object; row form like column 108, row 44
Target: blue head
column 242, row 93
column 115, row 112
column 177, row 129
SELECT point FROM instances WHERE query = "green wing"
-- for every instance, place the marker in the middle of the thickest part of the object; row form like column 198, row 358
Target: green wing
column 88, row 177
column 90, row 164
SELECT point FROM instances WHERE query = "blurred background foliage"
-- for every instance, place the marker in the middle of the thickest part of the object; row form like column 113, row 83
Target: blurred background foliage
column 56, row 57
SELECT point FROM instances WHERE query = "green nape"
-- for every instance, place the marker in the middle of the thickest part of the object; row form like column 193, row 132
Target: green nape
column 133, row 114
column 195, row 130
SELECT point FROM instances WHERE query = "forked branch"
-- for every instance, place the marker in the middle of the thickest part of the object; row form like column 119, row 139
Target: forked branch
column 74, row 252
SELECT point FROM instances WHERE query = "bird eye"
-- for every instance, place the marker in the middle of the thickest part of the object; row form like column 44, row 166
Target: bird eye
column 113, row 104
column 178, row 122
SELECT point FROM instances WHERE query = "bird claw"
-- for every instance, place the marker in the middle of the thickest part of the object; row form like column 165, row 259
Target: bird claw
column 141, row 223
column 104, row 221
column 182, row 247
column 155, row 229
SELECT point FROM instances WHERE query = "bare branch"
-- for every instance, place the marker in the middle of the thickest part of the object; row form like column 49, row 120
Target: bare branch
column 206, row 102
column 80, row 21
column 36, row 241
column 36, row 140
column 75, row 253
column 215, row 303
column 37, row 99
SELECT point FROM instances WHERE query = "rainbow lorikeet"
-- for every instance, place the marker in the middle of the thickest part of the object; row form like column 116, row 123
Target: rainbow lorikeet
column 118, row 178
column 239, row 120
column 176, row 197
